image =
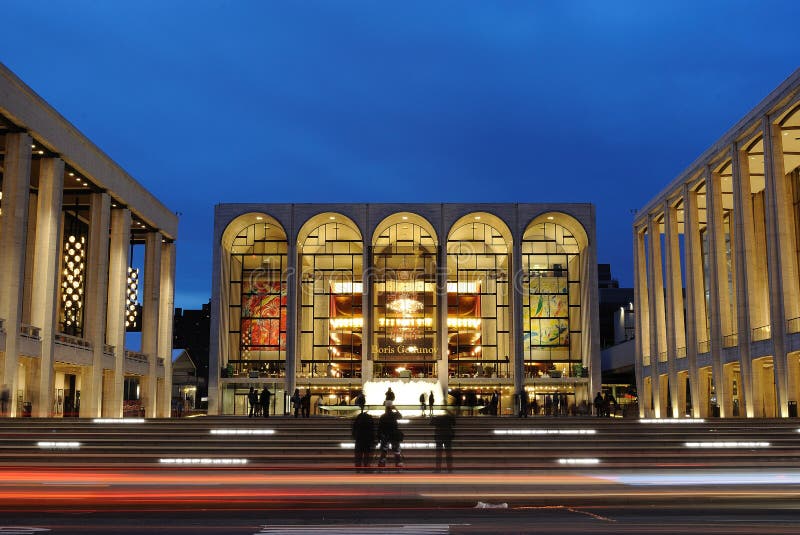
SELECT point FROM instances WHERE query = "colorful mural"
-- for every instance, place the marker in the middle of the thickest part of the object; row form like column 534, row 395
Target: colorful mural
column 263, row 324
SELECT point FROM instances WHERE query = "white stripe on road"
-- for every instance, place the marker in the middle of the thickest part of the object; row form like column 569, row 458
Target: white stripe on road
column 350, row 529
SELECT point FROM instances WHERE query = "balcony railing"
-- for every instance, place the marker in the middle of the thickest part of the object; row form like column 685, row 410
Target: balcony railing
column 134, row 355
column 662, row 357
column 792, row 325
column 703, row 346
column 680, row 352
column 108, row 350
column 761, row 333
column 73, row 341
column 160, row 362
column 29, row 331
column 730, row 340
column 646, row 359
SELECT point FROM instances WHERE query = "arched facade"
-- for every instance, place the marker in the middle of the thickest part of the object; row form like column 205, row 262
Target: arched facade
column 423, row 297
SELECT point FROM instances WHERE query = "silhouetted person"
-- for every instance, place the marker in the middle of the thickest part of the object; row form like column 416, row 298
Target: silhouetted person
column 523, row 404
column 252, row 399
column 422, row 403
column 305, row 404
column 493, row 403
column 264, row 401
column 598, row 404
column 389, row 401
column 443, row 434
column 5, row 397
column 296, row 400
column 361, row 401
column 431, row 401
column 364, row 435
column 390, row 436
column 610, row 404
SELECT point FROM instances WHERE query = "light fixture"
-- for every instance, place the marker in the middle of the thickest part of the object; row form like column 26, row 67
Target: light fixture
column 549, row 218
column 131, row 293
column 405, row 305
column 477, row 217
column 259, row 218
column 405, row 218
column 332, row 217
column 72, row 281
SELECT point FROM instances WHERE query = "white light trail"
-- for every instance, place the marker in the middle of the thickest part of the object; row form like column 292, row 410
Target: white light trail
column 118, row 420
column 727, row 444
column 203, row 461
column 66, row 445
column 403, row 445
column 242, row 431
column 672, row 421
column 544, row 431
column 579, row 461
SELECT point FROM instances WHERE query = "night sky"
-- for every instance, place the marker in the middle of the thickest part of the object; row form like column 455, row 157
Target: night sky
column 416, row 101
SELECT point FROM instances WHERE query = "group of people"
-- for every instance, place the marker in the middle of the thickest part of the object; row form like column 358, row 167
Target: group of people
column 388, row 436
column 422, row 399
column 259, row 402
column 605, row 406
column 301, row 405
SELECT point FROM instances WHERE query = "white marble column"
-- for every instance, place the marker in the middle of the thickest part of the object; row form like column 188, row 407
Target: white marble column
column 517, row 287
column 366, row 312
column 695, row 293
column 165, row 324
column 674, row 318
column 718, row 285
column 117, row 294
column 46, row 274
column 642, row 317
column 95, row 299
column 745, row 271
column 655, row 287
column 13, row 232
column 151, row 308
column 441, row 320
column 292, row 332
column 780, row 257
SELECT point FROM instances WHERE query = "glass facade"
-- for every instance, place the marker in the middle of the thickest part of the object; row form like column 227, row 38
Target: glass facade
column 331, row 319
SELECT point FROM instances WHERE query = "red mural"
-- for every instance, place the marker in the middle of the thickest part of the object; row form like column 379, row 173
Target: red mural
column 263, row 324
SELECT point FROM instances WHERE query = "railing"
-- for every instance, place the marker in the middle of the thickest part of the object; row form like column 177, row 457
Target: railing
column 703, row 346
column 108, row 350
column 73, row 341
column 761, row 333
column 792, row 325
column 646, row 359
column 662, row 357
column 160, row 362
column 730, row 340
column 29, row 331
column 134, row 355
column 255, row 369
column 680, row 352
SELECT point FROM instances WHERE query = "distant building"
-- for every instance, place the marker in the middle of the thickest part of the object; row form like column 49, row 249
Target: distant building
column 191, row 332
column 617, row 320
column 727, row 229
column 185, row 380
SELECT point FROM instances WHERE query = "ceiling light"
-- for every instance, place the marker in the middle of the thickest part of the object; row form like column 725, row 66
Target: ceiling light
column 71, row 174
column 405, row 217
column 477, row 217
column 259, row 218
column 332, row 217
column 549, row 218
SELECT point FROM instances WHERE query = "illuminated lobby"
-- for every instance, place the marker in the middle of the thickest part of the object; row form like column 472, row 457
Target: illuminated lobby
column 463, row 299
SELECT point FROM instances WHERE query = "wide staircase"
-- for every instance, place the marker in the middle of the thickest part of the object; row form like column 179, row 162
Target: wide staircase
column 324, row 443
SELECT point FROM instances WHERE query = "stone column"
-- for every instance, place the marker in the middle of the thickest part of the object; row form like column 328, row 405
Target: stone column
column 13, row 233
column 165, row 323
column 366, row 313
column 46, row 275
column 292, row 289
column 718, row 285
column 655, row 287
column 780, row 257
column 675, row 329
column 642, row 316
column 95, row 300
column 518, row 329
column 745, row 270
column 695, row 294
column 151, row 308
column 117, row 294
column 441, row 319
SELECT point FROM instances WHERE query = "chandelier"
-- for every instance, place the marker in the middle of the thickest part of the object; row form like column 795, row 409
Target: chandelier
column 72, row 280
column 405, row 306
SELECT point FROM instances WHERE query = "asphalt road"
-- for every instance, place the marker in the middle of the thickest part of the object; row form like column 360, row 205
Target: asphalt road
column 242, row 501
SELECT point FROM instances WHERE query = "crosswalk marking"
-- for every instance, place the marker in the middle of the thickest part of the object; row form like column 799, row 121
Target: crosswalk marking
column 351, row 529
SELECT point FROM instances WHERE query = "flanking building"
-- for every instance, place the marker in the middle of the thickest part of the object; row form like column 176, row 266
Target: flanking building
column 69, row 219
column 727, row 230
column 462, row 300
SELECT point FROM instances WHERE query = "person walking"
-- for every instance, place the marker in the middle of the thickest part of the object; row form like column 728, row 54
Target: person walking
column 443, row 434
column 390, row 437
column 305, row 404
column 598, row 404
column 363, row 433
column 264, row 400
column 431, row 401
column 610, row 404
column 361, row 400
column 295, row 399
column 252, row 399
column 422, row 403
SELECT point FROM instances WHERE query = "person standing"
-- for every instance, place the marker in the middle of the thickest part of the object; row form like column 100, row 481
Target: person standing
column 493, row 403
column 264, row 400
column 431, row 401
column 389, row 401
column 443, row 434
column 523, row 404
column 5, row 397
column 390, row 436
column 305, row 404
column 422, row 403
column 295, row 399
column 598, row 404
column 361, row 400
column 610, row 404
column 252, row 399
column 363, row 433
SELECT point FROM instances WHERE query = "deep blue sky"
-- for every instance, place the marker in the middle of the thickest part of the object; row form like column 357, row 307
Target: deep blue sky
column 310, row 101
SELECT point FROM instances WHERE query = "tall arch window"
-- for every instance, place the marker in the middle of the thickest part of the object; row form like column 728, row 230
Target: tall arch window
column 331, row 319
column 478, row 321
column 258, row 301
column 404, row 301
column 551, row 303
